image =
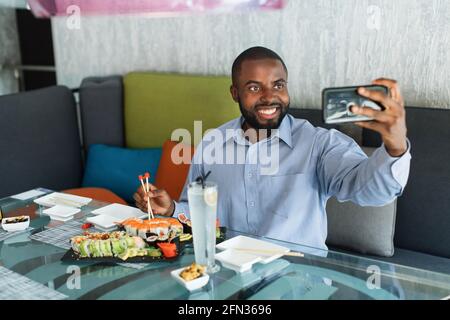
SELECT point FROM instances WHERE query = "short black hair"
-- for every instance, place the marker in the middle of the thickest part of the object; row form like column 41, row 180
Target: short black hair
column 253, row 53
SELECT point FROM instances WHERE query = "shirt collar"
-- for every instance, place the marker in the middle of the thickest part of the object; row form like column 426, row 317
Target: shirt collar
column 284, row 132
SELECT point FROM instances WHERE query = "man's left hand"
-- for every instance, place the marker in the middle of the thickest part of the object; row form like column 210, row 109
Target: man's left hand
column 390, row 122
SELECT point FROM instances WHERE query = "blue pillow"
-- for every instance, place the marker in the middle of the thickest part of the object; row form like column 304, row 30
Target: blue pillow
column 117, row 169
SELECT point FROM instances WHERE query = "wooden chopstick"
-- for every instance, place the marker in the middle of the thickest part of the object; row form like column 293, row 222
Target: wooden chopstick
column 66, row 202
column 272, row 252
column 149, row 207
column 146, row 189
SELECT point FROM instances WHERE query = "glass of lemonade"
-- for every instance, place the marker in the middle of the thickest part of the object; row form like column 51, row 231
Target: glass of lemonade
column 203, row 211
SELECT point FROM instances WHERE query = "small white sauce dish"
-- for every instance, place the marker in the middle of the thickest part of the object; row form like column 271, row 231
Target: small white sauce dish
column 192, row 284
column 15, row 226
column 237, row 261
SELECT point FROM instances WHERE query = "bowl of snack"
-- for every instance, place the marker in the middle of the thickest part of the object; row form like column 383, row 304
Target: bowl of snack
column 16, row 223
column 193, row 277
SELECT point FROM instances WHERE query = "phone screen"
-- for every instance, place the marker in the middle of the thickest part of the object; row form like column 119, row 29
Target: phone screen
column 337, row 103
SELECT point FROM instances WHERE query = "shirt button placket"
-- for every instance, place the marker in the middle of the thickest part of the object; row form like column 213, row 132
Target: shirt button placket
column 250, row 183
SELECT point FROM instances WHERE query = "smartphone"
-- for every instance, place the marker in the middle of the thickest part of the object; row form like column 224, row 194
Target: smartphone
column 337, row 103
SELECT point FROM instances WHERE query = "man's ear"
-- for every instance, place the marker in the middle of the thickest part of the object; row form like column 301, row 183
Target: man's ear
column 234, row 93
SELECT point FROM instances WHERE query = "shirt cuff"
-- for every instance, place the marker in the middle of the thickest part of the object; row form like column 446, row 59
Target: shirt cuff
column 400, row 165
column 180, row 207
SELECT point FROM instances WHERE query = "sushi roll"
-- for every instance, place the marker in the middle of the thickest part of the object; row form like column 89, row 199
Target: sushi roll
column 175, row 226
column 117, row 234
column 75, row 243
column 139, row 243
column 94, row 247
column 134, row 228
column 85, row 252
column 125, row 225
column 117, row 247
column 164, row 237
column 105, row 246
column 151, row 239
column 162, row 229
column 128, row 242
column 182, row 217
column 130, row 225
column 143, row 229
column 98, row 245
column 186, row 223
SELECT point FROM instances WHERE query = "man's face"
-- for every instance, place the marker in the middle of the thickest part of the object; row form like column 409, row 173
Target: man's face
column 261, row 91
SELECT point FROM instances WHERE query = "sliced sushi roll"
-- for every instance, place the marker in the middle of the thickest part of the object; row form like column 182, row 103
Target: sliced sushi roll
column 92, row 250
column 117, row 234
column 139, row 243
column 84, row 248
column 105, row 247
column 117, row 247
column 151, row 239
column 75, row 243
column 176, row 226
column 162, row 229
column 96, row 251
column 126, row 226
column 186, row 223
column 182, row 217
column 143, row 230
column 130, row 243
column 97, row 245
column 164, row 237
column 135, row 228
column 130, row 225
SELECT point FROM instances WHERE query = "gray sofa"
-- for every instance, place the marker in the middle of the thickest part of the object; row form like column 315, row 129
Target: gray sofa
column 39, row 141
column 422, row 213
column 42, row 147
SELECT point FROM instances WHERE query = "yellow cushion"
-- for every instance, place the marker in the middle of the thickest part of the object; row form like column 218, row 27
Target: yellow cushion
column 156, row 104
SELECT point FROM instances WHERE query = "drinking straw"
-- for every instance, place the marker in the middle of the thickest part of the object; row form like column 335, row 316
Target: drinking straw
column 202, row 179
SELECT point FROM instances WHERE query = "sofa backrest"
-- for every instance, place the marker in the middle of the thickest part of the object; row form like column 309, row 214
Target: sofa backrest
column 39, row 141
column 156, row 104
column 101, row 109
column 423, row 211
column 423, row 215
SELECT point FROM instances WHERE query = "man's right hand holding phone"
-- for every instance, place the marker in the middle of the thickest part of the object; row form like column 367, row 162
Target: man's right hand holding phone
column 390, row 122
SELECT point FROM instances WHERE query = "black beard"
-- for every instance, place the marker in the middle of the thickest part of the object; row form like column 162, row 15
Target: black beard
column 252, row 120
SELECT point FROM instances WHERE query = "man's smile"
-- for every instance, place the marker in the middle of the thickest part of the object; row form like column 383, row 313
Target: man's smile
column 268, row 113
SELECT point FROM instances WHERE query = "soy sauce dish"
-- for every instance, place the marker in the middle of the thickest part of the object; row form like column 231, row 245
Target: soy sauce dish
column 16, row 223
column 192, row 278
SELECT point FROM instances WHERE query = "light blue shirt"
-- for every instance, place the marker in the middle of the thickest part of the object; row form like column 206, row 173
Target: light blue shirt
column 314, row 165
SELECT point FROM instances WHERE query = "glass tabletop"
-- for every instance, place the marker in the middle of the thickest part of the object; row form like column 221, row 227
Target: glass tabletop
column 318, row 275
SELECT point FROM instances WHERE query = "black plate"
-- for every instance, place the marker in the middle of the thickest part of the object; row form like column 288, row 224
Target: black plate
column 71, row 256
column 221, row 238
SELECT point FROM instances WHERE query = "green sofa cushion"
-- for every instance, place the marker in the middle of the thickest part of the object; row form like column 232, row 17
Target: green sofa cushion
column 156, row 104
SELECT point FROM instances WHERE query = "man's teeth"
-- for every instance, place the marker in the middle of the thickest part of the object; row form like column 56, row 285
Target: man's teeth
column 268, row 111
